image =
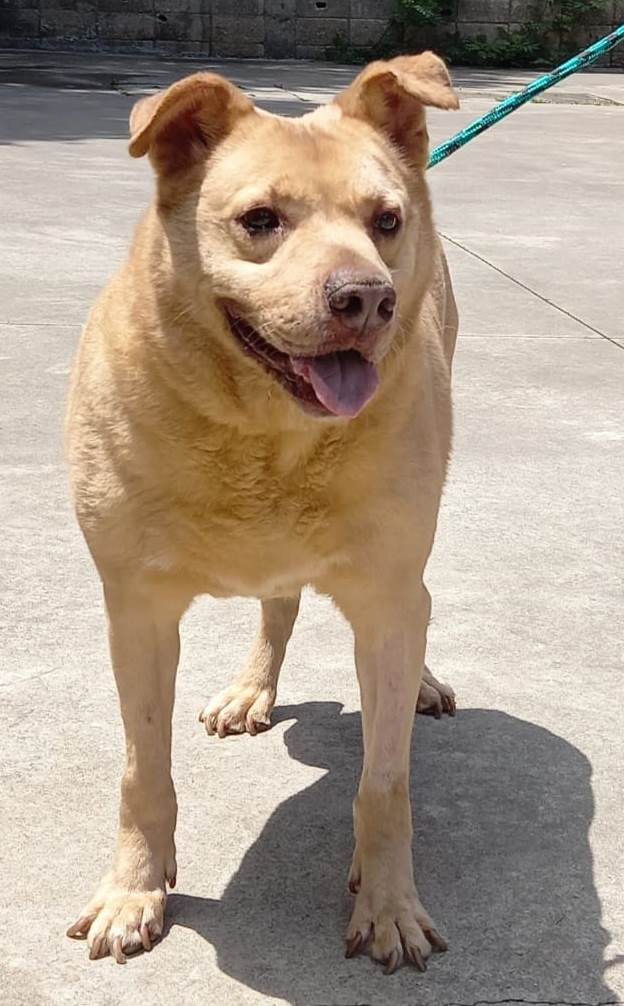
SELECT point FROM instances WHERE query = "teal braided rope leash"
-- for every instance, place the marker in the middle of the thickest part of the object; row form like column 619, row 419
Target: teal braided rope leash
column 514, row 101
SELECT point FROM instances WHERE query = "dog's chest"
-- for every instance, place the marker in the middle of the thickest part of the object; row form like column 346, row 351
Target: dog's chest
column 245, row 518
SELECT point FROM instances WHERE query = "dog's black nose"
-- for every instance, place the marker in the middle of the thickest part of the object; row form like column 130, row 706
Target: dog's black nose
column 361, row 303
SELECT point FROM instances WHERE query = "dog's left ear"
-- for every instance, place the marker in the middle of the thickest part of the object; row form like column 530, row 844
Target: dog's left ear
column 391, row 96
column 180, row 126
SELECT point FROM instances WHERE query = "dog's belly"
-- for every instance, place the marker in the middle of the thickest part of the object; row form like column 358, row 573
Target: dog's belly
column 261, row 575
column 270, row 583
column 225, row 558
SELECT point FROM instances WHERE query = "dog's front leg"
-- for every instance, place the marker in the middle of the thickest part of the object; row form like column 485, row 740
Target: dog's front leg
column 390, row 635
column 127, row 910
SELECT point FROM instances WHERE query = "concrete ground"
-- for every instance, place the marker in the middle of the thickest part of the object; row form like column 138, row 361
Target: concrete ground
column 518, row 801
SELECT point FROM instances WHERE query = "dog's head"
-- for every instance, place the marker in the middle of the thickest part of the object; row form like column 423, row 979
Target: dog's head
column 304, row 242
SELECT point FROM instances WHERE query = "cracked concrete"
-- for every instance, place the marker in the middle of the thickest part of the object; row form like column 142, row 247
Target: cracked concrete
column 503, row 1002
column 532, row 1002
column 518, row 808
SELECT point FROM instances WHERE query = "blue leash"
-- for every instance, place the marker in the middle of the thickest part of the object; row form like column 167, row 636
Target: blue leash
column 514, row 101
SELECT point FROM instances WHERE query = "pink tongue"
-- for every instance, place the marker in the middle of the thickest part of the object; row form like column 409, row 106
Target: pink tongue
column 343, row 382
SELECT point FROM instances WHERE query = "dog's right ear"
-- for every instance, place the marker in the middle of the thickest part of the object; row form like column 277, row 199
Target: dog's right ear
column 392, row 97
column 179, row 127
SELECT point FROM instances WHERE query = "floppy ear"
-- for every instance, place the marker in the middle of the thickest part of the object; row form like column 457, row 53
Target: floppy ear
column 391, row 96
column 179, row 126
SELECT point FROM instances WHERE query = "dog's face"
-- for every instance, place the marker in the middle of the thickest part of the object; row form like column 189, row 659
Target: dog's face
column 309, row 236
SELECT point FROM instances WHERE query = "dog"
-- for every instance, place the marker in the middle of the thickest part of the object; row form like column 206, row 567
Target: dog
column 261, row 401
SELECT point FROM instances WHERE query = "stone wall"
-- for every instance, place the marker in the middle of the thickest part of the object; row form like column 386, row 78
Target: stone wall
column 276, row 29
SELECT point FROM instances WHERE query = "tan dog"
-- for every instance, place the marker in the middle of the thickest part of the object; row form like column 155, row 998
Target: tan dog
column 261, row 401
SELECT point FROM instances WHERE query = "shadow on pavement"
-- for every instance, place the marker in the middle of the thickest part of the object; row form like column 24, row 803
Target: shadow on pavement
column 70, row 97
column 502, row 810
column 38, row 114
column 67, row 97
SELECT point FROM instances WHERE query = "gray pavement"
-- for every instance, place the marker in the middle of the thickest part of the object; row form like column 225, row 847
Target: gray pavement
column 518, row 802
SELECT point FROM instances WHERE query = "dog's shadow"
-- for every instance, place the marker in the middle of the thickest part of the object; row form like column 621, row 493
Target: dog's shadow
column 502, row 810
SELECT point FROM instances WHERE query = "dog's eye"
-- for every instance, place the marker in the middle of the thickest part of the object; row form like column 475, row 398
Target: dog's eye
column 261, row 220
column 387, row 223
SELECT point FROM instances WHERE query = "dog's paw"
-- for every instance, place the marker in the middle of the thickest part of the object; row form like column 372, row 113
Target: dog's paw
column 392, row 929
column 435, row 698
column 120, row 922
column 238, row 709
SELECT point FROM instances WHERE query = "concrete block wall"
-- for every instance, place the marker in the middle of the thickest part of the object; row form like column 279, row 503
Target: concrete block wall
column 485, row 17
column 277, row 29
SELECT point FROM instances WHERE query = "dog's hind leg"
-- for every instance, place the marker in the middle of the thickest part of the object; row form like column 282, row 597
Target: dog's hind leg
column 246, row 705
column 434, row 697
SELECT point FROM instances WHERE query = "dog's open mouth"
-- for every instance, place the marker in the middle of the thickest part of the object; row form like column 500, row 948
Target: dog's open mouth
column 330, row 384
